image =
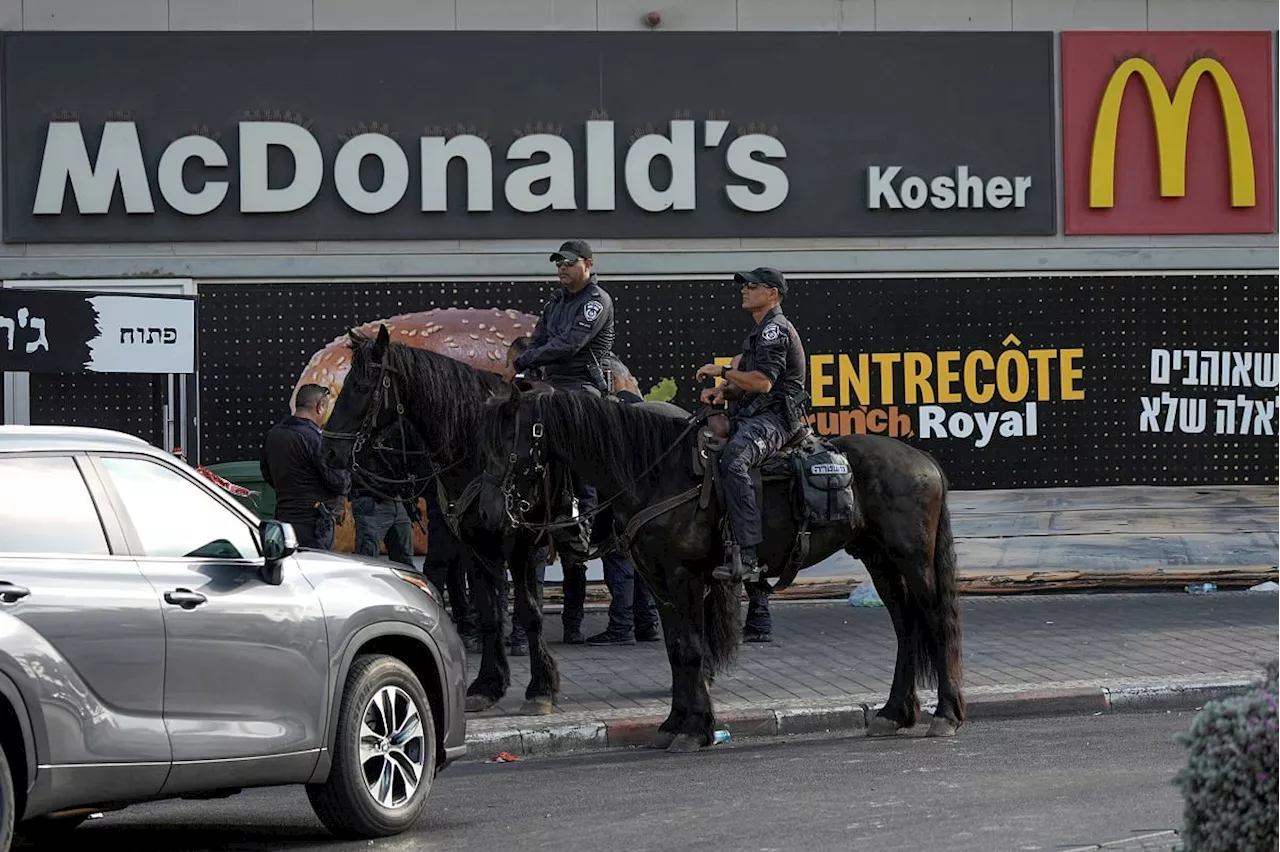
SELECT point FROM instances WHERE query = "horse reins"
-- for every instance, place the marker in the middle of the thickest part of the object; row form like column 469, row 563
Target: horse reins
column 536, row 453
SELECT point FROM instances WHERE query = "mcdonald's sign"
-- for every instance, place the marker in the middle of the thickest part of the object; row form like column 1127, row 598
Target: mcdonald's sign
column 1168, row 133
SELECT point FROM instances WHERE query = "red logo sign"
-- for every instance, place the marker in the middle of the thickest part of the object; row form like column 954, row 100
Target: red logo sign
column 1168, row 133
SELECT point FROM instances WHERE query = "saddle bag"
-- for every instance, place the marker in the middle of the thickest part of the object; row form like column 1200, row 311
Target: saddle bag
column 824, row 482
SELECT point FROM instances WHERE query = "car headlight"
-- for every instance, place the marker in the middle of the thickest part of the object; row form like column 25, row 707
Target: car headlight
column 421, row 582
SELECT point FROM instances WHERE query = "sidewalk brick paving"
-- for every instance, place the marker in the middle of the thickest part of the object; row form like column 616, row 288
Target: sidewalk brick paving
column 828, row 651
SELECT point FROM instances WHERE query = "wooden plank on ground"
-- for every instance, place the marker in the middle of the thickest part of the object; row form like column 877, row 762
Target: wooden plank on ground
column 1063, row 579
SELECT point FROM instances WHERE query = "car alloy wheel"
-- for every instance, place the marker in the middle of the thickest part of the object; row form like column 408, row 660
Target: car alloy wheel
column 384, row 753
column 392, row 747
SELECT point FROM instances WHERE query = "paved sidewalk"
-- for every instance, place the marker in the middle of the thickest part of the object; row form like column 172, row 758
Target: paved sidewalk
column 834, row 663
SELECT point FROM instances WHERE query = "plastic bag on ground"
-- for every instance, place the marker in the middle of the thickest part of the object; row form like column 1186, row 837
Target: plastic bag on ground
column 865, row 595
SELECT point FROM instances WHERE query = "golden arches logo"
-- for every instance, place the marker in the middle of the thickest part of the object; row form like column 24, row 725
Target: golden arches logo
column 1172, row 118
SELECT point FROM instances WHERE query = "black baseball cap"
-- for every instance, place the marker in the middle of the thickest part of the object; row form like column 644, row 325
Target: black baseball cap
column 572, row 250
column 763, row 275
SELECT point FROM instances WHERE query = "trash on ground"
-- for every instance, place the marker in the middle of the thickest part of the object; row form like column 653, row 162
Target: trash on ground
column 1269, row 586
column 503, row 757
column 720, row 737
column 865, row 595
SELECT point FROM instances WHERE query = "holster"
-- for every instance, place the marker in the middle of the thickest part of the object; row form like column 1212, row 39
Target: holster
column 797, row 409
column 326, row 520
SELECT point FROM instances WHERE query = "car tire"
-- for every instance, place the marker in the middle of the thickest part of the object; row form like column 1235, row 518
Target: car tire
column 7, row 803
column 368, row 791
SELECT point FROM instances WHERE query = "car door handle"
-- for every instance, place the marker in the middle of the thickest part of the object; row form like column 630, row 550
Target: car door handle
column 184, row 598
column 9, row 593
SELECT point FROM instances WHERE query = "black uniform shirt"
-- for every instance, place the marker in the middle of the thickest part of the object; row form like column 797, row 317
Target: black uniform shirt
column 291, row 464
column 573, row 336
column 773, row 348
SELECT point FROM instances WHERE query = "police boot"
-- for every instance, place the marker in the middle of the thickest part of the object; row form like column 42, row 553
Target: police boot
column 743, row 565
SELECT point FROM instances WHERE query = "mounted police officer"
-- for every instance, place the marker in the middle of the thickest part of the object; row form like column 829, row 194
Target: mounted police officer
column 570, row 345
column 764, row 387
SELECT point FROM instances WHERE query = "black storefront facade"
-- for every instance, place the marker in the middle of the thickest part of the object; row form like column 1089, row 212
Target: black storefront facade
column 1013, row 378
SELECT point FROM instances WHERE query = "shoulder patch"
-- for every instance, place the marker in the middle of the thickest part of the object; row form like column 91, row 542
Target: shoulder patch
column 770, row 332
column 592, row 309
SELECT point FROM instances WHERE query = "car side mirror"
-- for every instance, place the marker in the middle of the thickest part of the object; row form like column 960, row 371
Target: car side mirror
column 279, row 542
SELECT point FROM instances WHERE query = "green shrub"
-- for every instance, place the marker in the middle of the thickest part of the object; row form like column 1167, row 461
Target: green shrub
column 1228, row 784
column 663, row 391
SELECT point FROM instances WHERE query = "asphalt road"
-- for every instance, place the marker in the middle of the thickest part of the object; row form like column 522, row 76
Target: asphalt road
column 1038, row 784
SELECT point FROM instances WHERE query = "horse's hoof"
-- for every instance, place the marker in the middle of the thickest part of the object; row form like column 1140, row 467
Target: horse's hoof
column 538, row 707
column 684, row 744
column 882, row 726
column 662, row 739
column 479, row 703
column 942, row 727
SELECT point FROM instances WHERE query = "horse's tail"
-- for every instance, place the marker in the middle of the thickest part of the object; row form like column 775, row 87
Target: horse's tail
column 722, row 617
column 943, row 618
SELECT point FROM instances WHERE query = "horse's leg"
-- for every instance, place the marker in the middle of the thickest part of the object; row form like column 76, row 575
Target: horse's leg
column 679, row 697
column 903, row 707
column 932, row 583
column 696, row 728
column 495, row 672
column 544, row 674
column 660, row 581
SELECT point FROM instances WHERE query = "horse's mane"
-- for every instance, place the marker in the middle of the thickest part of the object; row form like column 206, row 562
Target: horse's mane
column 445, row 396
column 620, row 440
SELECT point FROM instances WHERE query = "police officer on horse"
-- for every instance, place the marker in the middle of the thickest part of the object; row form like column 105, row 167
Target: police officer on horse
column 764, row 386
column 570, row 344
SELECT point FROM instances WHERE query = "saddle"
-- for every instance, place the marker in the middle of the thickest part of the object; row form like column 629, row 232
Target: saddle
column 821, row 479
column 714, row 436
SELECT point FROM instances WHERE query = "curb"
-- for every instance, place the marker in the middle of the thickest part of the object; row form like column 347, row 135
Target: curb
column 525, row 737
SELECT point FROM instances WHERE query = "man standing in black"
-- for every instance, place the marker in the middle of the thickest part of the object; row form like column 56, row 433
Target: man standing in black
column 764, row 387
column 308, row 492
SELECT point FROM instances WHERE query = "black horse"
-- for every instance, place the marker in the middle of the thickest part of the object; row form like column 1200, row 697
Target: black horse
column 642, row 463
column 443, row 401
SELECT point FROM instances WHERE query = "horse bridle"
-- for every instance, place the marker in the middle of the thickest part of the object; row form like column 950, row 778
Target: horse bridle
column 385, row 388
column 516, row 506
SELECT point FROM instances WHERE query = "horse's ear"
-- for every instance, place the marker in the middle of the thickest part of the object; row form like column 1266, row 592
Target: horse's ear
column 384, row 340
column 353, row 339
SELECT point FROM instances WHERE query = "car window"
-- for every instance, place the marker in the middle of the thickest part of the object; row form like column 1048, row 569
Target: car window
column 45, row 507
column 174, row 517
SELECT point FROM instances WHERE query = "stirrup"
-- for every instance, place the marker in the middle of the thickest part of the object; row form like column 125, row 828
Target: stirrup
column 734, row 570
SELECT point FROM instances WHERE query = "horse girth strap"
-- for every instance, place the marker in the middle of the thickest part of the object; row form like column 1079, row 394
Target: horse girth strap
column 648, row 513
column 795, row 560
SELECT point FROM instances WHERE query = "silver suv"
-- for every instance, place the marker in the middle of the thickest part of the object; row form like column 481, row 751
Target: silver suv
column 158, row 640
